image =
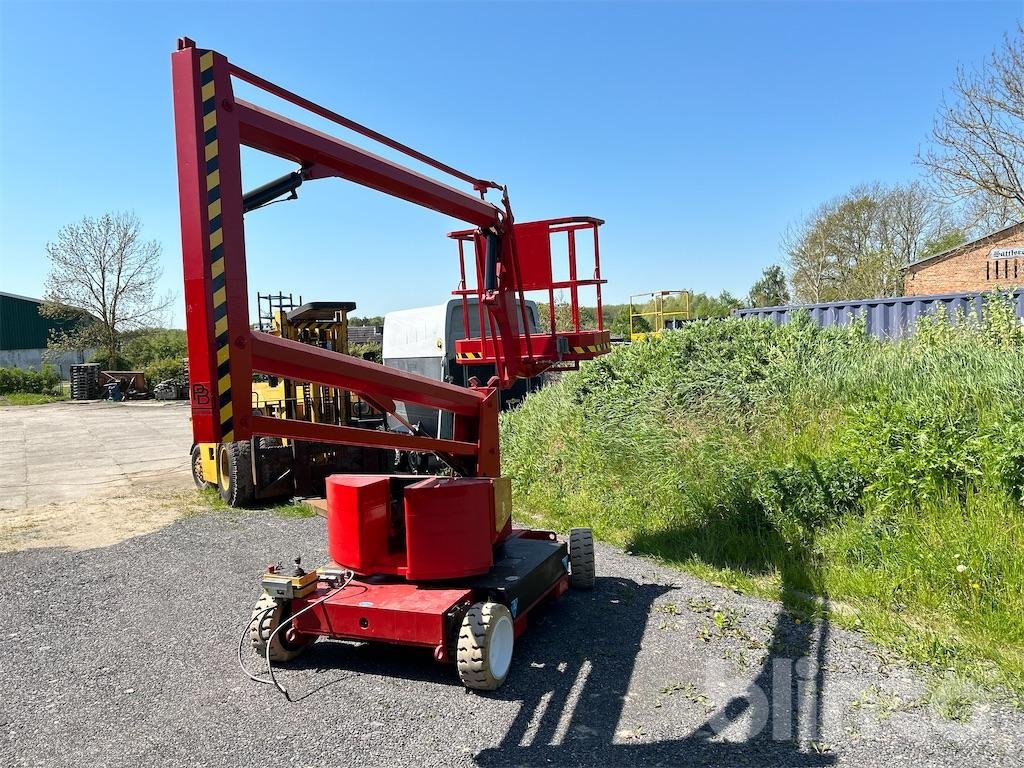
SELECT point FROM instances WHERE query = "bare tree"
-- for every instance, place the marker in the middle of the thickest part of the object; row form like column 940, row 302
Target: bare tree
column 812, row 268
column 104, row 268
column 977, row 152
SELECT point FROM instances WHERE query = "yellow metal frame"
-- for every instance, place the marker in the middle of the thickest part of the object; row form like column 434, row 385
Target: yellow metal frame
column 333, row 336
column 656, row 299
column 208, row 457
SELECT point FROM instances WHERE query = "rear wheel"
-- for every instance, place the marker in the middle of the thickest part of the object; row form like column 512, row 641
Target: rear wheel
column 582, row 569
column 267, row 616
column 197, row 469
column 485, row 647
column 234, row 470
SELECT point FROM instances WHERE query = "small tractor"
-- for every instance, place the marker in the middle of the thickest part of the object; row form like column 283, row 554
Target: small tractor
column 427, row 561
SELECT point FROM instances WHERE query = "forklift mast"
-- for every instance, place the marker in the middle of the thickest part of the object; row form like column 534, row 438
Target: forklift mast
column 211, row 126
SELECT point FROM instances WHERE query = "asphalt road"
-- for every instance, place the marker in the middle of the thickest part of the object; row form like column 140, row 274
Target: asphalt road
column 91, row 474
column 62, row 451
column 125, row 656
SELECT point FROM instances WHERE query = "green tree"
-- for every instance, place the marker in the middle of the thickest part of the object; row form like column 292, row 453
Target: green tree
column 858, row 245
column 620, row 325
column 703, row 305
column 771, row 290
column 371, row 320
column 147, row 346
column 942, row 243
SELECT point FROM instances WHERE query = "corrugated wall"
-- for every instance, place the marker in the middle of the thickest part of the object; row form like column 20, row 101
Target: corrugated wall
column 890, row 318
column 21, row 325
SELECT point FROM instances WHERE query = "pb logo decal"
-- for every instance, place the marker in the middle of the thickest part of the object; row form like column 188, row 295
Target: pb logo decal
column 201, row 399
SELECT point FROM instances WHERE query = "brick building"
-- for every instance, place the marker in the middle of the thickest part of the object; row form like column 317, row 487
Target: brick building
column 993, row 261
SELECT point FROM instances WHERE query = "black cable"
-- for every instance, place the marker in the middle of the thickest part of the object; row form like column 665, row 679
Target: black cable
column 347, row 579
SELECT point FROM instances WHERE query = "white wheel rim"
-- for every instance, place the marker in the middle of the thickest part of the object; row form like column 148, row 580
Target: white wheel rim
column 500, row 647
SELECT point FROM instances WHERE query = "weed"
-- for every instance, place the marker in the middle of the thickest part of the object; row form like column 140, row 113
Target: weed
column 953, row 696
column 30, row 398
column 882, row 703
column 816, row 466
column 212, row 500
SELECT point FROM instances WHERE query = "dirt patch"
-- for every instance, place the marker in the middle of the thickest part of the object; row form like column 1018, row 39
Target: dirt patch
column 96, row 520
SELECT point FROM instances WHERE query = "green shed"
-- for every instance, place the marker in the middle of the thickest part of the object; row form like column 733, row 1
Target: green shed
column 24, row 334
column 21, row 325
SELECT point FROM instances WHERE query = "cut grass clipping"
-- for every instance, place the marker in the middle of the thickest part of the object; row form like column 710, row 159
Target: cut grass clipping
column 799, row 463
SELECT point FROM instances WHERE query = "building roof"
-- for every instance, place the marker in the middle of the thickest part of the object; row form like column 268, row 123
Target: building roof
column 365, row 334
column 996, row 236
column 18, row 296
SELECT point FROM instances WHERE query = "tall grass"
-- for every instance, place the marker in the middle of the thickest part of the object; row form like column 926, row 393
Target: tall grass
column 802, row 462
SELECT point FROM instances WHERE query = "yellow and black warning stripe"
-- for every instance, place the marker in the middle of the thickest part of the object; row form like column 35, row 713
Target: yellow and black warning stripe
column 468, row 355
column 217, row 286
column 314, row 325
column 592, row 348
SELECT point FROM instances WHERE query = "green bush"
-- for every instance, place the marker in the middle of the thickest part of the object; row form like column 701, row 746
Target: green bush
column 145, row 348
column 794, row 460
column 42, row 382
column 110, row 361
column 159, row 370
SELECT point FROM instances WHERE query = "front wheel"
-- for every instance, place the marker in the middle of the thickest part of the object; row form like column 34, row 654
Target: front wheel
column 582, row 568
column 267, row 616
column 234, row 470
column 486, row 640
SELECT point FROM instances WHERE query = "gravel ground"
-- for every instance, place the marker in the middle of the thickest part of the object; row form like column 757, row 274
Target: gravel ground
column 125, row 656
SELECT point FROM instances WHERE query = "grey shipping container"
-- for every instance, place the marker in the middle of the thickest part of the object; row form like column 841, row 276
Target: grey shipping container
column 890, row 318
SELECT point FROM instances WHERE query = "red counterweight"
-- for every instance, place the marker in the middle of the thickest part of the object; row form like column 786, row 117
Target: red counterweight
column 421, row 529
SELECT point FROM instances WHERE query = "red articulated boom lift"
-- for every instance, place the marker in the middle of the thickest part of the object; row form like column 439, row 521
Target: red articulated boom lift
column 432, row 561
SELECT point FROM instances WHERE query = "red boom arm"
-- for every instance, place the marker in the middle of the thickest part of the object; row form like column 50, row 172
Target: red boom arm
column 211, row 126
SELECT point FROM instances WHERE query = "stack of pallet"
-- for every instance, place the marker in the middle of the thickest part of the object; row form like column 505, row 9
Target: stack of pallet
column 85, row 381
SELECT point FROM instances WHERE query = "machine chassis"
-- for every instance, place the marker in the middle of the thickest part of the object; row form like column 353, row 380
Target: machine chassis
column 533, row 567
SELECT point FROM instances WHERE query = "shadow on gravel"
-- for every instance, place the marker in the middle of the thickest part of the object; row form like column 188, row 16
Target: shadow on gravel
column 341, row 661
column 577, row 683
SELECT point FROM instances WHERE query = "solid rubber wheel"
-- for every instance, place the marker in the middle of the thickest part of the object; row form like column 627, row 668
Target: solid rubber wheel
column 197, row 462
column 234, row 474
column 267, row 615
column 486, row 640
column 197, row 469
column 582, row 570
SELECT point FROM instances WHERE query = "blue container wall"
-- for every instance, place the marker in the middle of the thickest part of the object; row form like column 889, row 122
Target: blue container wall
column 891, row 318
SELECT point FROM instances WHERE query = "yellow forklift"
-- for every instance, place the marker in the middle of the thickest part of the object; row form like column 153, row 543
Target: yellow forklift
column 263, row 468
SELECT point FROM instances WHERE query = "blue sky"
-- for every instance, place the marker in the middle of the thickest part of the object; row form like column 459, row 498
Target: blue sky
column 697, row 131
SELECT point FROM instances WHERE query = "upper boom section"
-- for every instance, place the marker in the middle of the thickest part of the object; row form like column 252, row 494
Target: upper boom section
column 211, row 126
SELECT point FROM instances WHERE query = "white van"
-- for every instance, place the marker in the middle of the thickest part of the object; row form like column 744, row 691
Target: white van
column 423, row 340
